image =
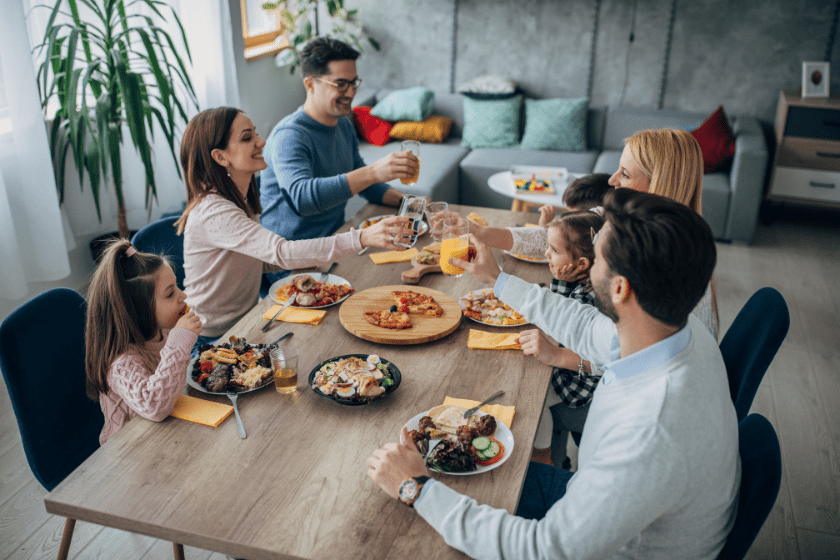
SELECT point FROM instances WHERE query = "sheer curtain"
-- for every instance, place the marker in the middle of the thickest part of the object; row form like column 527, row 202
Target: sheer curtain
column 33, row 244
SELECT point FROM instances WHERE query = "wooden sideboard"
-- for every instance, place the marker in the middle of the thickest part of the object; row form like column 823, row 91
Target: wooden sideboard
column 806, row 167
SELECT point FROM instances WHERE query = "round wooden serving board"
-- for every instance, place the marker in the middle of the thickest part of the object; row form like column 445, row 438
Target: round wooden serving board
column 424, row 329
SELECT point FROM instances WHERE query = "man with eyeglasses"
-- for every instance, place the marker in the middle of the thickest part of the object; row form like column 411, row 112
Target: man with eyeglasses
column 314, row 165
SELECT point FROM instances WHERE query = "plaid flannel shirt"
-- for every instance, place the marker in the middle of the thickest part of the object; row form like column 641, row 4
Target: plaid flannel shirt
column 574, row 390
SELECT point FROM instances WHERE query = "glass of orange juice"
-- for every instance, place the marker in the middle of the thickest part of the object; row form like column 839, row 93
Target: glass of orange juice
column 455, row 244
column 414, row 147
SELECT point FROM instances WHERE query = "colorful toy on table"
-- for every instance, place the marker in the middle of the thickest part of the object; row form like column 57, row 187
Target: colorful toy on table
column 533, row 185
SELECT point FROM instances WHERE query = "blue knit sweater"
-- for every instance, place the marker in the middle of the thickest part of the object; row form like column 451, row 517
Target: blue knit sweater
column 304, row 189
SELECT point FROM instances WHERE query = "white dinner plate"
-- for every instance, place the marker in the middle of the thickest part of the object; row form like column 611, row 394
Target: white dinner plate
column 331, row 279
column 533, row 260
column 503, row 435
column 486, row 290
column 196, row 385
column 424, row 227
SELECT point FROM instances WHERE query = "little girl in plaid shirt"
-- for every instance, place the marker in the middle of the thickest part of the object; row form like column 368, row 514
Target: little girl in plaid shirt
column 570, row 255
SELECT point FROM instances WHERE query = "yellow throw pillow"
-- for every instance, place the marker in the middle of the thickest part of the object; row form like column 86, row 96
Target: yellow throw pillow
column 434, row 129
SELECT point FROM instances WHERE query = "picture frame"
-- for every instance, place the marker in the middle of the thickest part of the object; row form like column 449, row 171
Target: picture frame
column 815, row 79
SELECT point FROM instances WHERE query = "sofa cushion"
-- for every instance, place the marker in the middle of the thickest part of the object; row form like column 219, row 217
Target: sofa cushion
column 555, row 124
column 434, row 129
column 489, row 87
column 607, row 162
column 373, row 129
column 438, row 168
column 716, row 202
column 716, row 142
column 412, row 104
column 491, row 124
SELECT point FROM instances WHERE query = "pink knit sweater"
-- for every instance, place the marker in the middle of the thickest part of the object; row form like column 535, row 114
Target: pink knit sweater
column 226, row 252
column 146, row 381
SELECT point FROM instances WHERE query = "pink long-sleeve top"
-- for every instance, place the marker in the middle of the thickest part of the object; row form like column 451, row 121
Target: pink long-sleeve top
column 226, row 253
column 146, row 381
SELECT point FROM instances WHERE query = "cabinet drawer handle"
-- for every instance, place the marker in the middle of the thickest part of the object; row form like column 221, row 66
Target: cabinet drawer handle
column 828, row 155
column 821, row 185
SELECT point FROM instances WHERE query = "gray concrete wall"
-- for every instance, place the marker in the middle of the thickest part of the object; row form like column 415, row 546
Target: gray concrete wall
column 735, row 53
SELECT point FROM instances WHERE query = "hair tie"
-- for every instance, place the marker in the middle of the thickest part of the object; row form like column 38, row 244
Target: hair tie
column 130, row 251
column 597, row 210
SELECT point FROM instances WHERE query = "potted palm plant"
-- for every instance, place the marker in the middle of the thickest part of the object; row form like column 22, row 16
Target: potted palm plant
column 114, row 67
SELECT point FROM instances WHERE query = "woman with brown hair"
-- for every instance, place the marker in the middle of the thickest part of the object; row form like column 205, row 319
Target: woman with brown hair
column 138, row 337
column 226, row 250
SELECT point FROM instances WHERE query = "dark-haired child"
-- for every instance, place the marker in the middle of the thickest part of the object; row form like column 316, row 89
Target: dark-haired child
column 582, row 194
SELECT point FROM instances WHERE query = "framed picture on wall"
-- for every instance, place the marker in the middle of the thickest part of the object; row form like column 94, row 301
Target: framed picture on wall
column 815, row 79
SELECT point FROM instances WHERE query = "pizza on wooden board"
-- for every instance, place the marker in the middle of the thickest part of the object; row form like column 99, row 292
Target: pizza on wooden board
column 388, row 319
column 421, row 304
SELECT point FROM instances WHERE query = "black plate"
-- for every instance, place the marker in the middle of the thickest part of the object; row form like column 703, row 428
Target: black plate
column 395, row 373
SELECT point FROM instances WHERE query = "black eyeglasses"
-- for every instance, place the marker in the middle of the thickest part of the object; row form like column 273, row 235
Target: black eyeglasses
column 343, row 85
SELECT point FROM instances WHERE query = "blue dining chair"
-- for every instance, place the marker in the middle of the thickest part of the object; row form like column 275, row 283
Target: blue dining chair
column 761, row 476
column 159, row 238
column 59, row 425
column 751, row 343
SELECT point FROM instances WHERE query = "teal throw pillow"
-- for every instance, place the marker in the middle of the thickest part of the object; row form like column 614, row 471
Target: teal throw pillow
column 412, row 104
column 491, row 123
column 555, row 124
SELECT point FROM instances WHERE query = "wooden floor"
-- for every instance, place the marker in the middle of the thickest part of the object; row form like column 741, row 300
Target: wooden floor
column 799, row 255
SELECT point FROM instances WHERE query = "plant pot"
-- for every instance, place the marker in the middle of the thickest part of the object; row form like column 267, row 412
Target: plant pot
column 99, row 244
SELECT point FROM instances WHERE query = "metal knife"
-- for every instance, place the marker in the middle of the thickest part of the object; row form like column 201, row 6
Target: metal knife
column 324, row 275
column 282, row 338
column 289, row 302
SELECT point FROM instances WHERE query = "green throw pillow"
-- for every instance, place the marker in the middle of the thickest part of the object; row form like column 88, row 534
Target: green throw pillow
column 412, row 104
column 491, row 124
column 555, row 124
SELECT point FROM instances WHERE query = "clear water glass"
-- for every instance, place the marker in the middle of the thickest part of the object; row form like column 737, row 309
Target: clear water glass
column 412, row 207
column 436, row 213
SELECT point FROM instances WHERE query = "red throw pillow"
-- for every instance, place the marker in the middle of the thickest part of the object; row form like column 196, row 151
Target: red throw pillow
column 716, row 141
column 373, row 129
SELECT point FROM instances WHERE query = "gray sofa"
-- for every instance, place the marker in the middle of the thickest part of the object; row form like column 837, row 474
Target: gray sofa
column 456, row 174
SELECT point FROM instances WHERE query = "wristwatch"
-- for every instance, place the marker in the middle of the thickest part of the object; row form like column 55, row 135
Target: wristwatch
column 410, row 489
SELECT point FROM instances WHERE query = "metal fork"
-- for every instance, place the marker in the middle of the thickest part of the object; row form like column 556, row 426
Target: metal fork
column 233, row 396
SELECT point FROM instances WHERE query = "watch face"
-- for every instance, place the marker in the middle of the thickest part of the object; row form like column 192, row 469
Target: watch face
column 408, row 489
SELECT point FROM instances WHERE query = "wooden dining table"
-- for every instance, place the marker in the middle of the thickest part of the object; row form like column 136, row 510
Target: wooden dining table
column 296, row 487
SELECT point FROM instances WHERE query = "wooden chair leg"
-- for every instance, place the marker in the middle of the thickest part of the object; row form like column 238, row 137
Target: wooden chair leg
column 178, row 549
column 66, row 537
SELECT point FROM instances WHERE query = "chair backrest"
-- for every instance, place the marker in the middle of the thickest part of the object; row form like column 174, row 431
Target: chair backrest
column 159, row 238
column 751, row 343
column 42, row 356
column 761, row 476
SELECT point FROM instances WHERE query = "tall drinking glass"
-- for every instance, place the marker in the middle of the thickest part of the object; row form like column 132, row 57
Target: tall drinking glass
column 412, row 207
column 436, row 213
column 455, row 244
column 414, row 147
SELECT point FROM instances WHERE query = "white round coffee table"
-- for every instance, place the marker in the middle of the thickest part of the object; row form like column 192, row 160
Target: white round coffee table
column 502, row 183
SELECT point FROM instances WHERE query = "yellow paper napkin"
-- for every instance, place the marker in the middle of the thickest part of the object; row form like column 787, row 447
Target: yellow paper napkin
column 482, row 340
column 500, row 412
column 393, row 256
column 201, row 411
column 533, row 225
column 295, row 315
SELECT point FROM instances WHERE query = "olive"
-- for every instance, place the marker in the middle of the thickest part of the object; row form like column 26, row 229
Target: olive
column 393, row 308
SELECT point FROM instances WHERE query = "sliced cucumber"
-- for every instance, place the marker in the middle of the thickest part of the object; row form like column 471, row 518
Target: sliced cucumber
column 492, row 451
column 481, row 443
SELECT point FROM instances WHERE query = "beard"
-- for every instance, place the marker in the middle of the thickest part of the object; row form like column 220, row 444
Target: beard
column 603, row 303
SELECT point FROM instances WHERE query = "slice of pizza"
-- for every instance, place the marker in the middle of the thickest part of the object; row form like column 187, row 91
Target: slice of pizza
column 388, row 319
column 421, row 304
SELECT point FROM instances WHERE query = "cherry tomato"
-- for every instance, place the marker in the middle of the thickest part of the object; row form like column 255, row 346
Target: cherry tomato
column 206, row 367
column 203, row 376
